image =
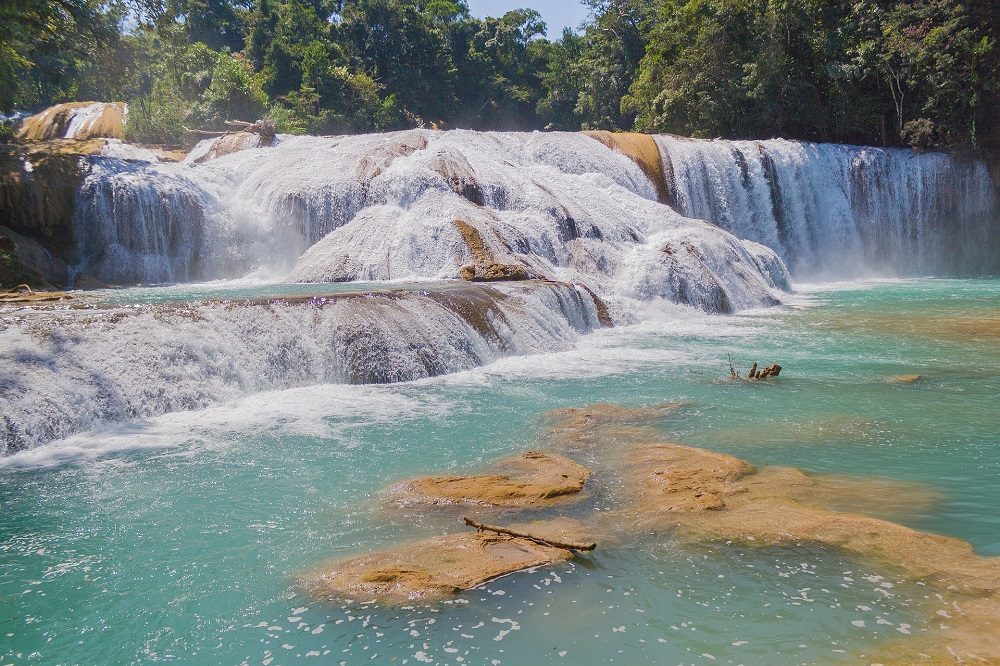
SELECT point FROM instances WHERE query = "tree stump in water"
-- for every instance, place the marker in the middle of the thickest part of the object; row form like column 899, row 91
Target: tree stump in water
column 755, row 375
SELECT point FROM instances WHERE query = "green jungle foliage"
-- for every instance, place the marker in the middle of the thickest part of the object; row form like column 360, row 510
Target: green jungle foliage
column 923, row 73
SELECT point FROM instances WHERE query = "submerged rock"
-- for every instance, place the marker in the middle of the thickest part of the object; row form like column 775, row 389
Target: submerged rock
column 531, row 479
column 706, row 496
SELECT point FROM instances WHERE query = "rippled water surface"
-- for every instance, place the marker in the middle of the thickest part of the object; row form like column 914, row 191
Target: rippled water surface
column 178, row 538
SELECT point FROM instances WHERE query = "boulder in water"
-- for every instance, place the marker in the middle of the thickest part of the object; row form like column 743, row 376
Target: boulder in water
column 440, row 567
column 531, row 479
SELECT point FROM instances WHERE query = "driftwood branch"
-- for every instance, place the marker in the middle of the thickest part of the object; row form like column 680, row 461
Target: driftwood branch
column 567, row 545
column 265, row 128
column 204, row 132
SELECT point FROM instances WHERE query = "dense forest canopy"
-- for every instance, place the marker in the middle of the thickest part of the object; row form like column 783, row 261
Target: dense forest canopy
column 917, row 72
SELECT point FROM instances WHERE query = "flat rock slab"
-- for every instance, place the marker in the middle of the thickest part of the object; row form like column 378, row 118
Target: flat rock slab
column 530, row 479
column 439, row 567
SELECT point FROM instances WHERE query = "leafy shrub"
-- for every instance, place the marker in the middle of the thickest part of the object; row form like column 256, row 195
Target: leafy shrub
column 158, row 118
column 235, row 92
column 920, row 134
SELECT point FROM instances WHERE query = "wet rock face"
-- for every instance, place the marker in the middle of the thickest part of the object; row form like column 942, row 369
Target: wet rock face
column 38, row 185
column 76, row 120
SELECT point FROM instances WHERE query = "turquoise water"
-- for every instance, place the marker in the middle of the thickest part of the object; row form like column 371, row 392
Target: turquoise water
column 178, row 538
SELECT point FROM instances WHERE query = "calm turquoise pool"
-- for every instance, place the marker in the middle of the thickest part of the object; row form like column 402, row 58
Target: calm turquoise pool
column 176, row 539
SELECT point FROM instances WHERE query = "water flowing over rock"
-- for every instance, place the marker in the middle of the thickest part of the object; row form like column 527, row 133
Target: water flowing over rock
column 64, row 371
column 77, row 120
column 413, row 205
column 227, row 144
column 833, row 211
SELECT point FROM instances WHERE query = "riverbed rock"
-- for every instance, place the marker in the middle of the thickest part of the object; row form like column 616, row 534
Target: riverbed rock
column 530, row 479
column 704, row 496
column 439, row 567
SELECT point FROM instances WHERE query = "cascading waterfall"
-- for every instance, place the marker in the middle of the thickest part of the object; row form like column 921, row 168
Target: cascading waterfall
column 834, row 211
column 415, row 205
column 67, row 371
column 574, row 220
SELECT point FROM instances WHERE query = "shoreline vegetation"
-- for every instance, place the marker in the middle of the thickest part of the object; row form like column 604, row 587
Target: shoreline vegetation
column 919, row 73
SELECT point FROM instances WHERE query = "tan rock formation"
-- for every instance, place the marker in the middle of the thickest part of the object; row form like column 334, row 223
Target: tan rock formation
column 707, row 496
column 227, row 144
column 486, row 267
column 641, row 149
column 95, row 120
column 38, row 184
column 530, row 479
column 439, row 567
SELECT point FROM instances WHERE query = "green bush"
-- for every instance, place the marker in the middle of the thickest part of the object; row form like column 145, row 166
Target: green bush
column 7, row 130
column 158, row 118
column 285, row 120
column 235, row 93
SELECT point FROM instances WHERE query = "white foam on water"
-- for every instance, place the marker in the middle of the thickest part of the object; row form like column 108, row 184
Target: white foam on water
column 324, row 411
column 66, row 371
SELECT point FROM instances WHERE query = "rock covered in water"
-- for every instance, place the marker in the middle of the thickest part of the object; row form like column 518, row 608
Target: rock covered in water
column 76, row 120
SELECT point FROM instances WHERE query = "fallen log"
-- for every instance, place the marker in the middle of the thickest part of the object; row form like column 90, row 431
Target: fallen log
column 204, row 132
column 566, row 545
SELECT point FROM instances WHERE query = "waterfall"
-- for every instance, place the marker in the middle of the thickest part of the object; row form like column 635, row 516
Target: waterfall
column 415, row 205
column 834, row 211
column 66, row 371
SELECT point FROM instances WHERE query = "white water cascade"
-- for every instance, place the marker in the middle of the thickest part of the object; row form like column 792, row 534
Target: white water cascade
column 384, row 207
column 66, row 371
column 836, row 212
column 575, row 224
